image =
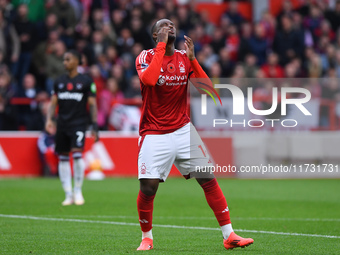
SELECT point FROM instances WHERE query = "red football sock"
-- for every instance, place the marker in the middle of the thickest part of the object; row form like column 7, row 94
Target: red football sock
column 217, row 201
column 145, row 209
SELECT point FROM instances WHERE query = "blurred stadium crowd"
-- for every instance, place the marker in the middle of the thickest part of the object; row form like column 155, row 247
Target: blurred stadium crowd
column 34, row 35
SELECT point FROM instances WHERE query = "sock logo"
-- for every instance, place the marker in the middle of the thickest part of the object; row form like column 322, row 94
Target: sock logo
column 143, row 221
column 225, row 210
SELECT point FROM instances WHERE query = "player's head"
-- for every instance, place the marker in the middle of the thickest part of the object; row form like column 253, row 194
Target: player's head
column 72, row 59
column 164, row 23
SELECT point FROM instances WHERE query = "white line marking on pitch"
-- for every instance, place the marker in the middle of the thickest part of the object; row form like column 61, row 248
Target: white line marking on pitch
column 160, row 226
column 198, row 218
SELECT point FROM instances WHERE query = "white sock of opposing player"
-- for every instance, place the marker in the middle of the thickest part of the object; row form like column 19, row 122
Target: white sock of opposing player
column 147, row 234
column 226, row 230
column 79, row 169
column 65, row 174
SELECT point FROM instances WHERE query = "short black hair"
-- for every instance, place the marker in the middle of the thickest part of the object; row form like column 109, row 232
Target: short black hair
column 77, row 55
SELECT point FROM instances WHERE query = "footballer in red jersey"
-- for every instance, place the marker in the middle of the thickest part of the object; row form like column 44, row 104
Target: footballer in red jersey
column 166, row 135
column 165, row 104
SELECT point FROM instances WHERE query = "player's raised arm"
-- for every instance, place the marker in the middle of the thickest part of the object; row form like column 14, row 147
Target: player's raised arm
column 148, row 72
column 49, row 126
column 196, row 67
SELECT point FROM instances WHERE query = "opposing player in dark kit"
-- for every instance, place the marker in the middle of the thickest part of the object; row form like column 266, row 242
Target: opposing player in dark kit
column 72, row 93
column 166, row 135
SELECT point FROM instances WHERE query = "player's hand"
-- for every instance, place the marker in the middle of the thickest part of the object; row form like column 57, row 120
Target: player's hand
column 189, row 48
column 95, row 135
column 50, row 127
column 162, row 35
column 95, row 132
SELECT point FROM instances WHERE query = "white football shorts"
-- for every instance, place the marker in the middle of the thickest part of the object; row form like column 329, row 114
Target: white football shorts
column 183, row 147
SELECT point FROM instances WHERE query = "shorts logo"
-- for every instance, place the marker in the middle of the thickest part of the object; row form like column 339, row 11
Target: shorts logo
column 69, row 86
column 79, row 86
column 143, row 169
column 181, row 67
column 61, row 85
column 171, row 68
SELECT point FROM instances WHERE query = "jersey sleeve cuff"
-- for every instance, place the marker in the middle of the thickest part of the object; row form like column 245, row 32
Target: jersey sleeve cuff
column 194, row 62
column 195, row 65
column 161, row 45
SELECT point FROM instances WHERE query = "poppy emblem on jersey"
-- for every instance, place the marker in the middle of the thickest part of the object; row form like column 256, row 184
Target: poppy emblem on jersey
column 171, row 68
column 143, row 169
column 61, row 85
column 181, row 67
column 69, row 86
column 79, row 86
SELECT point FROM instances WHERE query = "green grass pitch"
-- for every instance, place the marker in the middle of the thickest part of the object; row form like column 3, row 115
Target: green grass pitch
column 32, row 220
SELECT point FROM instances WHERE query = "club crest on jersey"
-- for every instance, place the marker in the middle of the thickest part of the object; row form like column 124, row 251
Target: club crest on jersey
column 171, row 68
column 143, row 169
column 79, row 86
column 69, row 86
column 181, row 67
column 61, row 85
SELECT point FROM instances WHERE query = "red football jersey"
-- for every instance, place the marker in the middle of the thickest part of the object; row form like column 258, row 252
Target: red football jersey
column 164, row 107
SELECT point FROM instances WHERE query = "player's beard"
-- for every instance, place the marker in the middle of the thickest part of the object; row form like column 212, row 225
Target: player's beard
column 171, row 38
